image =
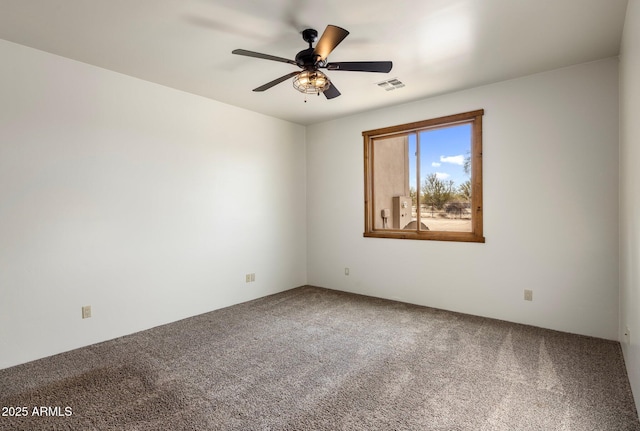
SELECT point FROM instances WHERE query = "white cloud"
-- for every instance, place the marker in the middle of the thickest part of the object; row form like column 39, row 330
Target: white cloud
column 456, row 160
column 442, row 175
column 435, row 164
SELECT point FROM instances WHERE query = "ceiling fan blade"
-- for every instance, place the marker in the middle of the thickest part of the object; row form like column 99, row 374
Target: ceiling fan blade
column 268, row 85
column 263, row 56
column 331, row 37
column 361, row 66
column 331, row 92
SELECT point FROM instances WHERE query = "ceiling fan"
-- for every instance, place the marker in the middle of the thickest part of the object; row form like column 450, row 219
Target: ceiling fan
column 311, row 80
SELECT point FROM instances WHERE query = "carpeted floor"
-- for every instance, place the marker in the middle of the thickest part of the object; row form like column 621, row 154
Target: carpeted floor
column 315, row 359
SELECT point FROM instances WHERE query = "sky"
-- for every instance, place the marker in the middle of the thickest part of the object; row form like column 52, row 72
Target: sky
column 442, row 151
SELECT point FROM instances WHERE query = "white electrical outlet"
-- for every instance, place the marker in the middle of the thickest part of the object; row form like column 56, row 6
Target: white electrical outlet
column 528, row 295
column 346, row 271
column 253, row 277
column 86, row 311
column 247, row 278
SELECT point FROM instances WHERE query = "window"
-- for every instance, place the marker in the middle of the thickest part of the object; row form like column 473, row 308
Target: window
column 424, row 180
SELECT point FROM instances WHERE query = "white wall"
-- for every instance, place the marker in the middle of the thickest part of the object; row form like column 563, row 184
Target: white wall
column 550, row 206
column 144, row 202
column 630, row 193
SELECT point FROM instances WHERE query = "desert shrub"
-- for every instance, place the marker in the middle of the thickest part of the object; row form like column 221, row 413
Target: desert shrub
column 437, row 192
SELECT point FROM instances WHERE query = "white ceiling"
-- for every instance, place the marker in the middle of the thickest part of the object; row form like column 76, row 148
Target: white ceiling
column 436, row 46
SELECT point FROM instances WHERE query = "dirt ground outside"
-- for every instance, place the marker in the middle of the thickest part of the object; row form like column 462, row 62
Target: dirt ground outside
column 447, row 225
column 439, row 220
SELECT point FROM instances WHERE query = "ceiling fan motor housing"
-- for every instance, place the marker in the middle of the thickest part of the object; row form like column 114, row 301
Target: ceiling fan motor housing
column 307, row 59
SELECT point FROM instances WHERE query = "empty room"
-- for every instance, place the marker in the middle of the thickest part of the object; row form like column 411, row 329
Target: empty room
column 298, row 215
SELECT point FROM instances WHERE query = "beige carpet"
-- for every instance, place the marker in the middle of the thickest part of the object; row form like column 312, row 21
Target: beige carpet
column 315, row 359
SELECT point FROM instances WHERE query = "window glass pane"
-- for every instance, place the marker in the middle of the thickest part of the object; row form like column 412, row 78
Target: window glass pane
column 391, row 184
column 445, row 178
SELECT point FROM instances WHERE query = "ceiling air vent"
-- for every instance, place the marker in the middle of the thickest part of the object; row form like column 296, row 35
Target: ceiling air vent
column 391, row 84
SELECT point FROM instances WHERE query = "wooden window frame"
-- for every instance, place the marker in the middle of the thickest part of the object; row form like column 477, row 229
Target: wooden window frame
column 476, row 235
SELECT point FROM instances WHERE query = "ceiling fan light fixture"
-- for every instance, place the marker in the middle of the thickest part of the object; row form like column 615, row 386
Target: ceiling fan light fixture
column 311, row 82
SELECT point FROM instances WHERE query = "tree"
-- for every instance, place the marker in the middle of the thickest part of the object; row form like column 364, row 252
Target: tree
column 467, row 163
column 464, row 191
column 436, row 192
